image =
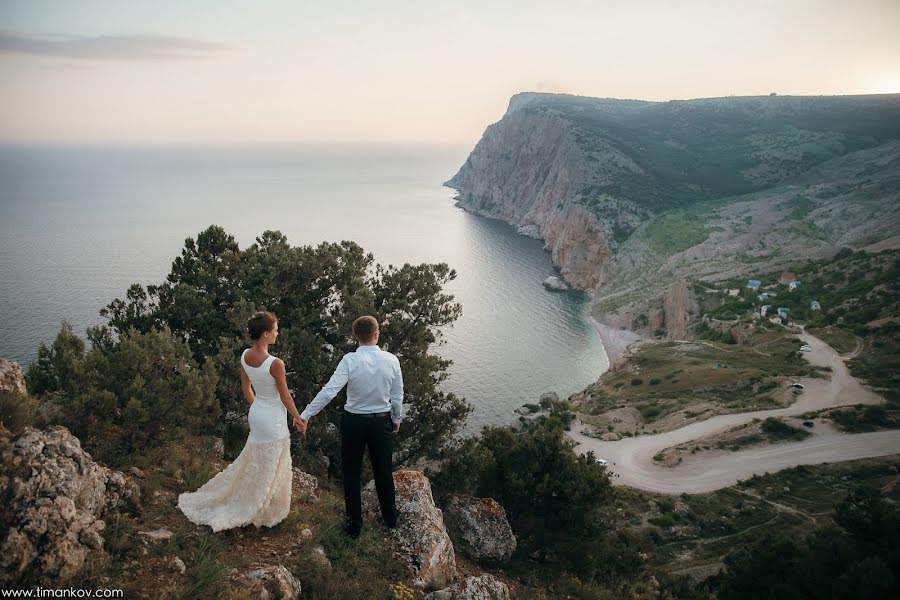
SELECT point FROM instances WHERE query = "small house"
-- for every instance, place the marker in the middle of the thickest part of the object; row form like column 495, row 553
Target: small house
column 787, row 277
column 764, row 309
column 762, row 297
column 753, row 284
column 814, row 305
column 793, row 286
column 756, row 315
column 783, row 312
column 775, row 319
column 733, row 292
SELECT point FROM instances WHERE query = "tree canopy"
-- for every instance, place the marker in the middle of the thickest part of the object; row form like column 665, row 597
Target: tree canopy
column 317, row 293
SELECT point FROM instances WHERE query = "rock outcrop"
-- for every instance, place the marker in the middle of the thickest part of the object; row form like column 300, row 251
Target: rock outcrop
column 674, row 314
column 483, row 587
column 304, row 484
column 420, row 531
column 12, row 378
column 481, row 528
column 555, row 284
column 56, row 498
column 274, row 583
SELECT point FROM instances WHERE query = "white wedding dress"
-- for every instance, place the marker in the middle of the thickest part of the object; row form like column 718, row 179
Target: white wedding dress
column 256, row 487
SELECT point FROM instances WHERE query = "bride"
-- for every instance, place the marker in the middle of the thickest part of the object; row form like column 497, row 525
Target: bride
column 256, row 487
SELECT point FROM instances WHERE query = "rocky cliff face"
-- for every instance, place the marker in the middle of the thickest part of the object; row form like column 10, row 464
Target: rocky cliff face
column 56, row 497
column 12, row 378
column 526, row 170
column 633, row 197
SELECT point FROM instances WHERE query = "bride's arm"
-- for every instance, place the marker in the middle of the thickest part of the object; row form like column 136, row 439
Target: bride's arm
column 278, row 372
column 245, row 386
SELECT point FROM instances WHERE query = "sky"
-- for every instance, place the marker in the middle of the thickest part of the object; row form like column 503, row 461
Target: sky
column 406, row 71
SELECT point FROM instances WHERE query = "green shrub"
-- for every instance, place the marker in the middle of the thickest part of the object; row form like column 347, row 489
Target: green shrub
column 782, row 431
column 637, row 381
column 17, row 410
column 128, row 397
column 650, row 411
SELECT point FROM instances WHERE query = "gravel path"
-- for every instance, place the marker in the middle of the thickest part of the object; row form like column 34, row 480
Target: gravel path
column 631, row 459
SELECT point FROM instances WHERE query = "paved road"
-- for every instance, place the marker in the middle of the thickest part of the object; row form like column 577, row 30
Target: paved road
column 631, row 459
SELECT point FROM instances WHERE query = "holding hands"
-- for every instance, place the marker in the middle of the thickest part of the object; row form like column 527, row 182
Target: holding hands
column 300, row 425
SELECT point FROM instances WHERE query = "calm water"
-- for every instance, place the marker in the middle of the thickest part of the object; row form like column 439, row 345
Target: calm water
column 78, row 225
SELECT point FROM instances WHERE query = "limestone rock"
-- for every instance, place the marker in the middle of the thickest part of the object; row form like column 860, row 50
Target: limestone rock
column 483, row 587
column 277, row 583
column 305, row 485
column 318, row 556
column 481, row 527
column 157, row 535
column 12, row 378
column 533, row 231
column 556, row 284
column 56, row 499
column 420, row 529
column 179, row 565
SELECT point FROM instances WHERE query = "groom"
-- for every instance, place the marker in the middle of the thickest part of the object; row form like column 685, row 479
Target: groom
column 371, row 418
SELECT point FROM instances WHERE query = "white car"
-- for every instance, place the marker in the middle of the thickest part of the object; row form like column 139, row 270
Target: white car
column 805, row 349
column 601, row 461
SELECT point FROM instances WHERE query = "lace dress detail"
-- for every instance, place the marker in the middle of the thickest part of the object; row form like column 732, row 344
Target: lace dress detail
column 256, row 487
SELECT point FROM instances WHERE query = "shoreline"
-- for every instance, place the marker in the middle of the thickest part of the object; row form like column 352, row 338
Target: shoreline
column 615, row 341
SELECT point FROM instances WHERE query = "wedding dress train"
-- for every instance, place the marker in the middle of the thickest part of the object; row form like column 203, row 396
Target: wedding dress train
column 256, row 487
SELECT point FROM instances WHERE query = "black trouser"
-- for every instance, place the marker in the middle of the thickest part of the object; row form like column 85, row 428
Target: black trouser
column 357, row 432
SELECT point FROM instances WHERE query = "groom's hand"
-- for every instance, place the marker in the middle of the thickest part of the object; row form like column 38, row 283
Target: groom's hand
column 395, row 427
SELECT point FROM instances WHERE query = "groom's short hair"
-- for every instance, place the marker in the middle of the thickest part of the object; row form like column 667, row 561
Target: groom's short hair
column 364, row 329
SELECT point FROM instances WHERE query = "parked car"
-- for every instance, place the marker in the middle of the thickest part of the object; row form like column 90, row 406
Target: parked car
column 797, row 384
column 805, row 349
column 808, row 423
column 601, row 461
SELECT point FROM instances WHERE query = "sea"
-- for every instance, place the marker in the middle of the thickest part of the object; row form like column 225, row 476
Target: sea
column 79, row 223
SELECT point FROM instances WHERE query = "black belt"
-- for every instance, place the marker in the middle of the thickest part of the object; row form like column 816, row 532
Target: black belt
column 369, row 415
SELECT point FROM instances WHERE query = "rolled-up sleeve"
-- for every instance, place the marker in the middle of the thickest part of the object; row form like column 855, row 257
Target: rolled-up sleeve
column 338, row 380
column 397, row 394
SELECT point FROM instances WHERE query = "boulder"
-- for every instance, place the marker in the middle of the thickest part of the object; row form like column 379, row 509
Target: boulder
column 555, row 284
column 275, row 583
column 305, row 485
column 12, row 378
column 319, row 557
column 56, row 497
column 480, row 527
column 483, row 587
column 420, row 530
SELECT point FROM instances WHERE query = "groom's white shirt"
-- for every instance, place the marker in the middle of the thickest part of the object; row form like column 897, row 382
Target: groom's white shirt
column 374, row 384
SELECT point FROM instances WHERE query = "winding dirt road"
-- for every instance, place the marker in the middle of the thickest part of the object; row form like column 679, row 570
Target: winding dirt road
column 631, row 459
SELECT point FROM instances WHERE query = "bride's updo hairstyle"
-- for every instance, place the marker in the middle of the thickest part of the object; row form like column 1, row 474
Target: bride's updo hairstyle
column 260, row 323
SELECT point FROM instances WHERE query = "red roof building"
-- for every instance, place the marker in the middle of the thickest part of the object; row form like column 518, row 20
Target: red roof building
column 787, row 277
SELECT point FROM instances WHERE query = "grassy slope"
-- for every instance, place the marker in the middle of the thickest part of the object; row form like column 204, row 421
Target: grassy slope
column 697, row 531
column 699, row 379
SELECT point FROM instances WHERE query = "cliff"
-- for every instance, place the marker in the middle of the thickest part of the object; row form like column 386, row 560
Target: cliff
column 632, row 197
